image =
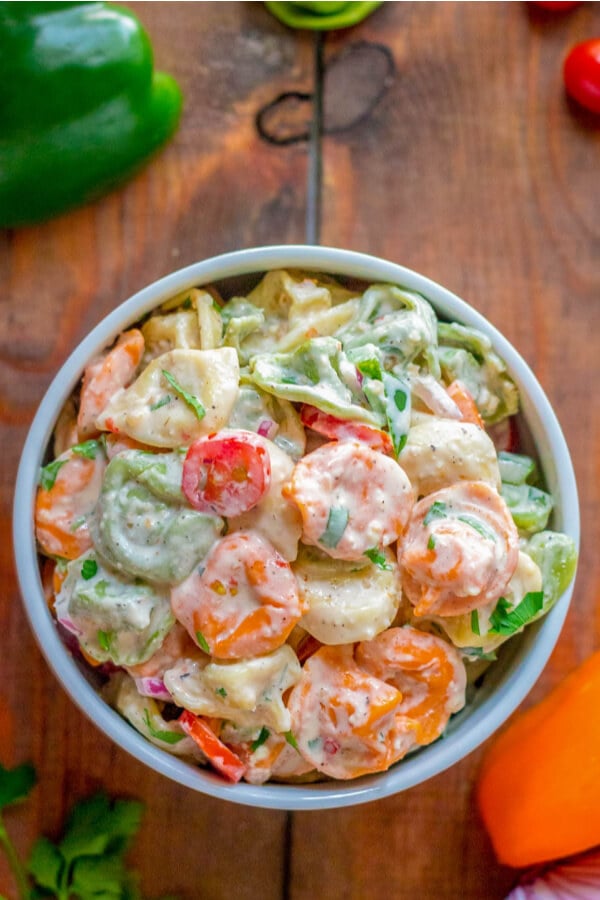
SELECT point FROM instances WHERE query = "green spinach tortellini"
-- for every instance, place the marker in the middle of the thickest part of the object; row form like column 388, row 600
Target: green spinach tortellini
column 141, row 524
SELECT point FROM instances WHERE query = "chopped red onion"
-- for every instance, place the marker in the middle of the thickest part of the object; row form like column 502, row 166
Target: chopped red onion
column 153, row 687
column 69, row 625
column 267, row 428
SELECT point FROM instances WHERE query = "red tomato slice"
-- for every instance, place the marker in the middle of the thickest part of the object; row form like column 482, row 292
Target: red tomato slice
column 582, row 74
column 228, row 474
column 218, row 754
column 342, row 429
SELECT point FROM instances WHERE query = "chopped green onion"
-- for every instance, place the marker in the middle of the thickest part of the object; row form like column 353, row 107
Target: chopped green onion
column 48, row 473
column 169, row 737
column 516, row 468
column 400, row 399
column 437, row 510
column 431, row 542
column 202, row 642
column 506, row 621
column 336, row 525
column 479, row 526
column 88, row 449
column 378, row 558
column 105, row 639
column 162, row 402
column 89, row 569
column 397, row 409
column 291, row 740
column 475, row 622
column 262, row 737
column 191, row 401
column 371, row 368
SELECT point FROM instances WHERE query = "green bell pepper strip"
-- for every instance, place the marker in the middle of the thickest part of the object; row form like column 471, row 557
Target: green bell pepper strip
column 321, row 16
column 81, row 107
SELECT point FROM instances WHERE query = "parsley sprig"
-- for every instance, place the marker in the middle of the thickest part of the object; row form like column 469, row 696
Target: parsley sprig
column 88, row 860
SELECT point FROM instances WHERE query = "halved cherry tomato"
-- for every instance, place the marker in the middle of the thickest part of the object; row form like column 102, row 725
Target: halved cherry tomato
column 227, row 473
column 582, row 74
column 218, row 754
column 343, row 430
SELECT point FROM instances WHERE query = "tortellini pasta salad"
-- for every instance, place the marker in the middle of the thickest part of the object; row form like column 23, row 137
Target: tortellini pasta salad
column 289, row 531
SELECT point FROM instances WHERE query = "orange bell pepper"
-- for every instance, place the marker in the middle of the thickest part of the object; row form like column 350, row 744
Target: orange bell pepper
column 539, row 788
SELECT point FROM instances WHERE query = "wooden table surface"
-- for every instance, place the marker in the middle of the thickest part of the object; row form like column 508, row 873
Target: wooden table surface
column 449, row 147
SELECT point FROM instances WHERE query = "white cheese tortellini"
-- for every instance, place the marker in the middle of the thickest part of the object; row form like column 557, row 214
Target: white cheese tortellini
column 275, row 517
column 160, row 411
column 247, row 692
column 145, row 715
column 349, row 601
column 439, row 452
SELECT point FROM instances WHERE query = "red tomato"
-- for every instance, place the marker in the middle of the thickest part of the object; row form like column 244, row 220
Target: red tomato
column 582, row 74
column 218, row 754
column 342, row 429
column 227, row 474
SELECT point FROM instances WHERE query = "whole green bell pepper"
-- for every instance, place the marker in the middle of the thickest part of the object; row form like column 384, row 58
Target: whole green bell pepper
column 81, row 107
column 321, row 16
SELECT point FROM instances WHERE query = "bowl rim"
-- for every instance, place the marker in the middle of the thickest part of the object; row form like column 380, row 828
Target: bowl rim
column 483, row 720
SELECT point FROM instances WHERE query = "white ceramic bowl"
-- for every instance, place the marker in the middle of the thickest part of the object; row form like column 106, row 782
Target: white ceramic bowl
column 506, row 683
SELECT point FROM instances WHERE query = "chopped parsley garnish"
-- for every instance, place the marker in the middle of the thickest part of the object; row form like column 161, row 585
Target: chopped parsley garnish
column 164, row 401
column 506, row 621
column 478, row 526
column 475, row 622
column 336, row 525
column 221, row 691
column 431, row 542
column 378, row 558
column 88, row 449
column 191, row 401
column 48, row 473
column 437, row 510
column 89, row 569
column 169, row 737
column 262, row 737
column 202, row 642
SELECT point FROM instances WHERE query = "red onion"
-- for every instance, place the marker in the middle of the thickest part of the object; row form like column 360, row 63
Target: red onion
column 267, row 428
column 576, row 878
column 70, row 626
column 153, row 687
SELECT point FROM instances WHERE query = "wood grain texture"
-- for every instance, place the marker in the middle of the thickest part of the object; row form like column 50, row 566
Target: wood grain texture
column 475, row 170
column 215, row 188
column 469, row 166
